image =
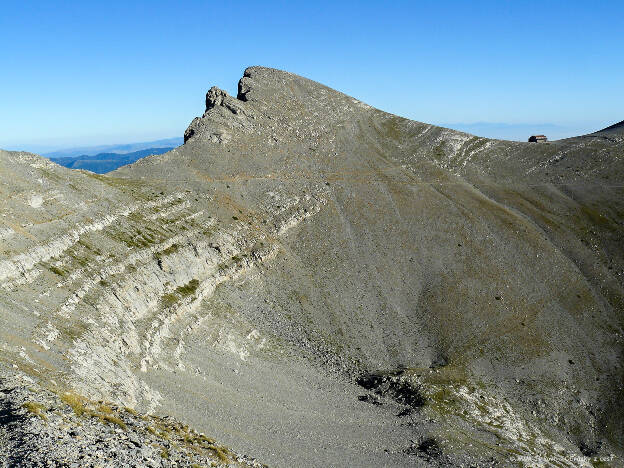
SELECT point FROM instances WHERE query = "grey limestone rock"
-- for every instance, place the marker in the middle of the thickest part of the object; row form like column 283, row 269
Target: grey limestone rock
column 304, row 255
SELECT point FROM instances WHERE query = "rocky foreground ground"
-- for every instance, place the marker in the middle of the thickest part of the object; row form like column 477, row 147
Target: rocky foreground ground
column 44, row 428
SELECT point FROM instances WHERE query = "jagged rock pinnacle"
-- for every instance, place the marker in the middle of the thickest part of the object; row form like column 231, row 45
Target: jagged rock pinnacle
column 215, row 97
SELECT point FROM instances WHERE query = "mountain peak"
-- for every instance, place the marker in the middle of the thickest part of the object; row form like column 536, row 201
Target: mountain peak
column 273, row 95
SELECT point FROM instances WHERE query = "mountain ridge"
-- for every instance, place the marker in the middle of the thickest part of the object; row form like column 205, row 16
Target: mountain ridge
column 117, row 148
column 105, row 162
column 615, row 127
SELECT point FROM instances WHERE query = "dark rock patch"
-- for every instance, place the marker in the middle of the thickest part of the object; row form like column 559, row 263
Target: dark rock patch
column 428, row 447
column 590, row 449
column 393, row 386
column 372, row 399
column 439, row 361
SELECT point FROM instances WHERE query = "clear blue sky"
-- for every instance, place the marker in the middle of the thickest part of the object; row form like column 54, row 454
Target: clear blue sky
column 83, row 72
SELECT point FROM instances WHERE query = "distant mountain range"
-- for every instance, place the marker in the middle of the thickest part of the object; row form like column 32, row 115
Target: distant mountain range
column 517, row 131
column 117, row 148
column 105, row 162
column 105, row 158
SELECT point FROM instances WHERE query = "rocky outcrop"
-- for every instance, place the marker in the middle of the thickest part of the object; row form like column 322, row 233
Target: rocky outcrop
column 219, row 106
column 40, row 427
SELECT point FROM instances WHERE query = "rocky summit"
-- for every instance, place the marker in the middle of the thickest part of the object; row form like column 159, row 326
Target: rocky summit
column 310, row 281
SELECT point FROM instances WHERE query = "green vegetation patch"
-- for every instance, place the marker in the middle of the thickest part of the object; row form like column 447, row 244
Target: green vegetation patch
column 173, row 431
column 177, row 435
column 187, row 290
column 392, row 128
column 57, row 270
column 81, row 406
column 438, row 151
column 173, row 248
column 75, row 402
column 169, row 300
column 36, row 409
column 141, row 237
column 73, row 330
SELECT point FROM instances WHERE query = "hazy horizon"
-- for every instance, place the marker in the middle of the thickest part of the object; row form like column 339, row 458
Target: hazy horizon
column 497, row 130
column 93, row 74
column 45, row 149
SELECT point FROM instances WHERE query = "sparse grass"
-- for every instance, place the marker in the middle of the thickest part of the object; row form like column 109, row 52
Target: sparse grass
column 112, row 420
column 75, row 402
column 180, row 435
column 88, row 246
column 222, row 453
column 125, row 185
column 189, row 288
column 82, row 407
column 188, row 437
column 476, row 143
column 82, row 261
column 438, row 151
column 35, row 409
column 391, row 128
column 104, row 408
column 74, row 330
column 50, row 174
column 138, row 239
column 168, row 300
column 57, row 271
column 205, row 439
column 173, row 248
